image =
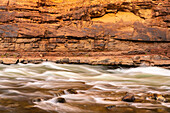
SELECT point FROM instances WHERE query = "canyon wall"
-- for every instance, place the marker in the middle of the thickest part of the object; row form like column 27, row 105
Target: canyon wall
column 119, row 32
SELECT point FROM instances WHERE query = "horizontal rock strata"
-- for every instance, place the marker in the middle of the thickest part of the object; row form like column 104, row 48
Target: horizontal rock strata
column 106, row 32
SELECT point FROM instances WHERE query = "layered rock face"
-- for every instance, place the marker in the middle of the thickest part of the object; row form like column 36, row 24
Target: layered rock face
column 120, row 32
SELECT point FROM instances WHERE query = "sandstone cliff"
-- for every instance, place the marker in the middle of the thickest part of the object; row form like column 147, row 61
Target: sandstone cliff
column 110, row 32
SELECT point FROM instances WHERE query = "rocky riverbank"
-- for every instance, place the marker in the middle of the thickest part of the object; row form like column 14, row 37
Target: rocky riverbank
column 125, row 33
column 116, row 60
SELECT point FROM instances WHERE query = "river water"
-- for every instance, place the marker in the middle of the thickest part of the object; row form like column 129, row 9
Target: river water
column 34, row 88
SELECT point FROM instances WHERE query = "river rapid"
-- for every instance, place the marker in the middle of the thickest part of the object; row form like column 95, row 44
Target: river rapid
column 34, row 88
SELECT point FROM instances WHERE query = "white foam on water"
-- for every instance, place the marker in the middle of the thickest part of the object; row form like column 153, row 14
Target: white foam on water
column 107, row 77
column 18, row 72
column 52, row 78
column 146, row 70
column 146, row 105
column 55, row 76
column 68, row 74
column 25, row 79
column 48, row 73
column 13, row 70
column 5, row 81
column 79, row 98
column 154, row 92
column 28, row 71
column 29, row 64
column 166, row 104
column 103, row 88
column 90, row 70
column 46, row 64
column 165, row 87
column 60, row 74
column 97, row 82
column 13, row 91
column 34, row 84
column 3, row 86
column 51, row 105
column 54, row 66
column 75, row 80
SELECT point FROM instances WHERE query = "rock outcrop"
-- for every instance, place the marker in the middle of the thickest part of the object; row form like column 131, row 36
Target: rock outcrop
column 120, row 32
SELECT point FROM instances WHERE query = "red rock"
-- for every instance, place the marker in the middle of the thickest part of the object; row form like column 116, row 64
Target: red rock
column 87, row 32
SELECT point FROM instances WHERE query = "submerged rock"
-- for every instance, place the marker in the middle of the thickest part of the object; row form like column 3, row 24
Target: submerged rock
column 161, row 98
column 38, row 99
column 157, row 97
column 129, row 97
column 120, row 109
column 61, row 92
column 109, row 107
column 58, row 93
column 60, row 100
column 71, row 91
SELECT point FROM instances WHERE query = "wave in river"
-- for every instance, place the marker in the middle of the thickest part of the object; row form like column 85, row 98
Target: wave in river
column 97, row 86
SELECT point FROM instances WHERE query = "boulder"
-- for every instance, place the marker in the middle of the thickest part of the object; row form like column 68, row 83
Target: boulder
column 60, row 100
column 129, row 97
column 10, row 61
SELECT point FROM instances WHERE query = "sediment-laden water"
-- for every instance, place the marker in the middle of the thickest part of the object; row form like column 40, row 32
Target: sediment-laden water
column 35, row 88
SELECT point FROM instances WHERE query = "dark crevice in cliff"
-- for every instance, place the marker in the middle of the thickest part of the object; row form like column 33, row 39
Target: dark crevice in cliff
column 8, row 22
column 23, row 9
column 49, row 22
column 150, row 41
column 25, row 17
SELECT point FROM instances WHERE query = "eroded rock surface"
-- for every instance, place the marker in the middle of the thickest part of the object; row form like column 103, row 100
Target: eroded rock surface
column 106, row 32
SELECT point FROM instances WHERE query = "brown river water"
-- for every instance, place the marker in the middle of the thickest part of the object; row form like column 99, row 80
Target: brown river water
column 35, row 88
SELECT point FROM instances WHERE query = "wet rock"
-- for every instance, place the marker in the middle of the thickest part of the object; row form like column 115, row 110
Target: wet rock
column 161, row 98
column 157, row 97
column 64, row 60
column 64, row 92
column 109, row 107
column 72, row 91
column 120, row 109
column 60, row 100
column 38, row 99
column 58, row 93
column 36, row 61
column 129, row 97
column 24, row 61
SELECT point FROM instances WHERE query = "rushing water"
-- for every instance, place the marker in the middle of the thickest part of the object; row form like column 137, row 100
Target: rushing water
column 34, row 88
